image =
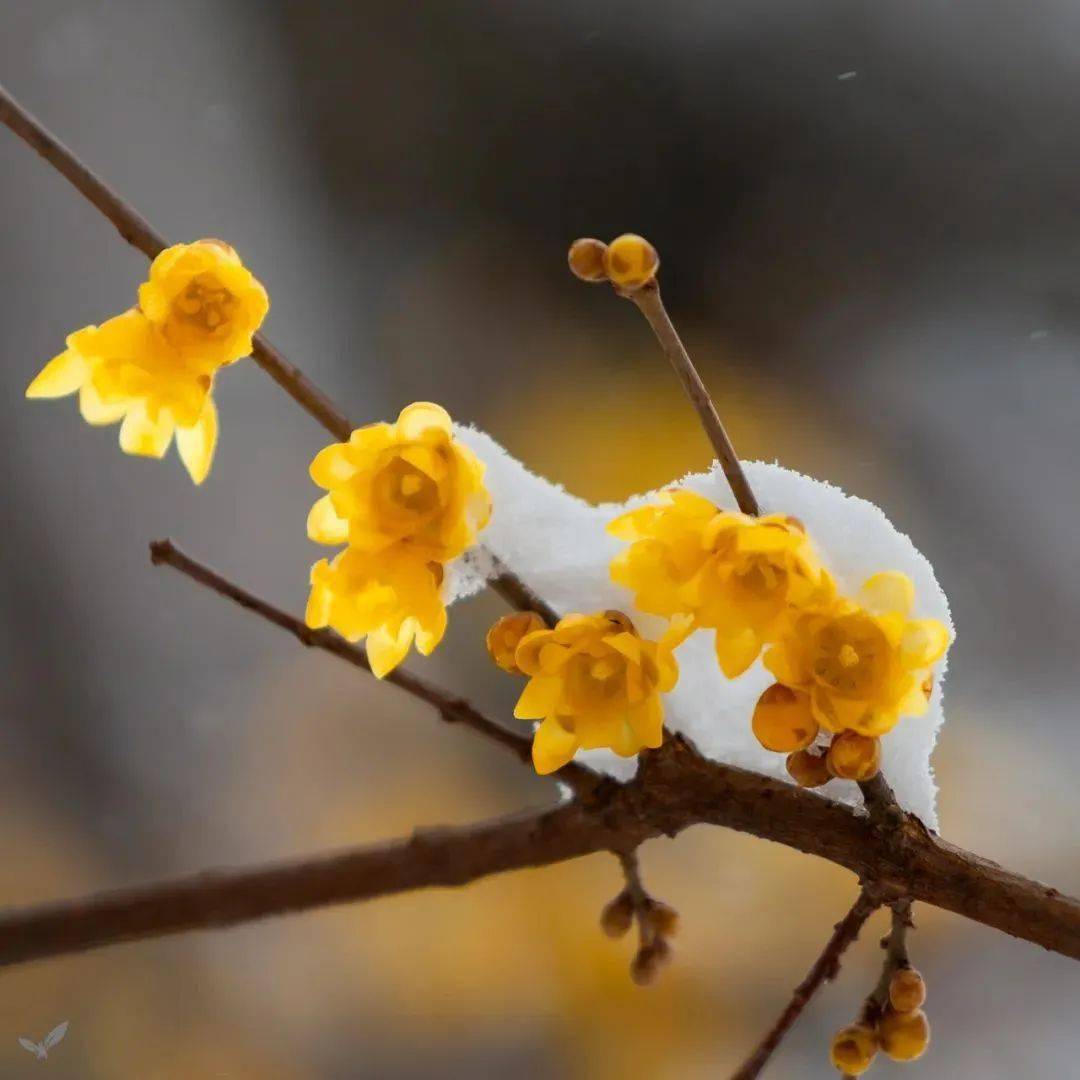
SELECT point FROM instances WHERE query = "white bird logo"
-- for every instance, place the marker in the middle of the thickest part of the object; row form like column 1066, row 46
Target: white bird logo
column 41, row 1050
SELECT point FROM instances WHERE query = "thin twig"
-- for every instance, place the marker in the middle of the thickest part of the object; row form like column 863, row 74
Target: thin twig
column 824, row 969
column 619, row 818
column 648, row 301
column 452, row 709
column 896, row 957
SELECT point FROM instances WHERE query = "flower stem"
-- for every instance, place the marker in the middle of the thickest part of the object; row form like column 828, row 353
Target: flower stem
column 648, row 302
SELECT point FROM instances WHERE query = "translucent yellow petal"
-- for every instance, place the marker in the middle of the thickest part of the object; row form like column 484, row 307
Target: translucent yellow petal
column 737, row 652
column 629, row 526
column 332, row 466
column 146, row 436
column 96, row 411
column 626, row 643
column 323, row 524
column 196, row 443
column 539, row 698
column 386, row 650
column 429, row 635
column 837, row 713
column 924, row 643
column 423, row 418
column 317, row 614
column 914, row 702
column 553, row 746
column 647, row 720
column 887, row 592
column 62, row 375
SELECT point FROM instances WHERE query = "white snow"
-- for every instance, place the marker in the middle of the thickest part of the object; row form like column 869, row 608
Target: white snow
column 558, row 544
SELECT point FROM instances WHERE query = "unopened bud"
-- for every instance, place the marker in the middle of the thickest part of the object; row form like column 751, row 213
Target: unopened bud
column 854, row 757
column 586, row 259
column 503, row 638
column 663, row 918
column 631, row 261
column 808, row 769
column 649, row 962
column 854, row 1048
column 618, row 916
column 904, row 1036
column 907, row 990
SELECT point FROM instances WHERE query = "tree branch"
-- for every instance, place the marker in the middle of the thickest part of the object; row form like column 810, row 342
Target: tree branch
column 647, row 300
column 824, row 969
column 674, row 789
column 453, row 710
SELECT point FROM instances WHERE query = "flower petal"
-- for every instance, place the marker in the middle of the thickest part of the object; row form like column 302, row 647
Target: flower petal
column 385, row 650
column 62, row 375
column 553, row 746
column 196, row 443
column 332, row 466
column 324, row 526
column 736, row 652
column 539, row 698
column 95, row 410
column 423, row 418
column 145, row 436
column 924, row 643
column 887, row 592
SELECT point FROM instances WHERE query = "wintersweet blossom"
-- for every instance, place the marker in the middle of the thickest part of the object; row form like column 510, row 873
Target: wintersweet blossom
column 738, row 575
column 153, row 367
column 392, row 599
column 595, row 682
column 409, row 483
column 858, row 666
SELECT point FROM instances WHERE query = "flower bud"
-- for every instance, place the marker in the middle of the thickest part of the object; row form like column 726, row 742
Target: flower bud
column 853, row 1049
column 586, row 259
column 617, row 916
column 904, row 1036
column 663, row 918
column 646, row 966
column 808, row 769
column 504, row 636
column 853, row 756
column 631, row 261
column 907, row 991
column 782, row 721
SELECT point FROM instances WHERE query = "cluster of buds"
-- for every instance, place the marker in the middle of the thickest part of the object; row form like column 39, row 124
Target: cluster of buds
column 628, row 262
column 657, row 924
column 897, row 1026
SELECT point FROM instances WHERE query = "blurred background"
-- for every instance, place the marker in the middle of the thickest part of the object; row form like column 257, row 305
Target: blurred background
column 869, row 218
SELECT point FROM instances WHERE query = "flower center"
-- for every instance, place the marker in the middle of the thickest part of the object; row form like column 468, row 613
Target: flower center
column 405, row 494
column 849, row 656
column 204, row 309
column 596, row 682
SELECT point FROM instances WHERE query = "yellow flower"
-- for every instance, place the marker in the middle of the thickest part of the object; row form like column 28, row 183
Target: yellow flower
column 595, row 682
column 505, row 635
column 205, row 302
column 738, row 575
column 154, row 368
column 861, row 666
column 408, row 483
column 392, row 599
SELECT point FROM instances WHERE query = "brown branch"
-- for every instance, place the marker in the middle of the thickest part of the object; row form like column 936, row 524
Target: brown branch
column 648, row 301
column 824, row 969
column 217, row 899
column 452, row 709
column 673, row 790
column 896, row 957
column 518, row 595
